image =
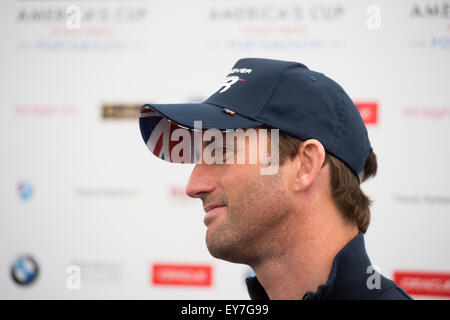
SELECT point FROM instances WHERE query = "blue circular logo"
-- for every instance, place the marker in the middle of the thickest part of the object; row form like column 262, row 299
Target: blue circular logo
column 25, row 270
column 25, row 190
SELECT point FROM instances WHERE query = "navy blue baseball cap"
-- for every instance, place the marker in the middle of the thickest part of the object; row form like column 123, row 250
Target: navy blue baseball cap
column 262, row 92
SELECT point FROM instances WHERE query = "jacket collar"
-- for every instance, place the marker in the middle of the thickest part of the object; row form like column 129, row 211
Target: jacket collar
column 347, row 278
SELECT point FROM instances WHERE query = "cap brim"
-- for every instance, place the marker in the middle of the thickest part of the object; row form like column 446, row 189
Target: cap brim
column 212, row 116
column 159, row 121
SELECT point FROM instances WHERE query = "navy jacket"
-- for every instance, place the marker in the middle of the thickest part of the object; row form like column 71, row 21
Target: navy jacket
column 349, row 279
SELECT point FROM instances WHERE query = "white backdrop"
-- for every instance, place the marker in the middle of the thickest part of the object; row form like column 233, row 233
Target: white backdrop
column 79, row 187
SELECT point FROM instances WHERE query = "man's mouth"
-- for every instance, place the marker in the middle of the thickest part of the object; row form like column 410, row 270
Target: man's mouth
column 211, row 212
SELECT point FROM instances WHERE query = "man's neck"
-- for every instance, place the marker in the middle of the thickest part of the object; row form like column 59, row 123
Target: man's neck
column 306, row 259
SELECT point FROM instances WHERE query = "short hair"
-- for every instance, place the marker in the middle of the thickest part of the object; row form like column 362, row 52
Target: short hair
column 350, row 200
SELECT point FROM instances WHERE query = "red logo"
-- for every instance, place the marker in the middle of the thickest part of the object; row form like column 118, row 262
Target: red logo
column 182, row 275
column 368, row 111
column 424, row 283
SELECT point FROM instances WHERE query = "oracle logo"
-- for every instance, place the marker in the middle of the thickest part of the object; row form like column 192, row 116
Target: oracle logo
column 182, row 275
column 368, row 111
column 424, row 283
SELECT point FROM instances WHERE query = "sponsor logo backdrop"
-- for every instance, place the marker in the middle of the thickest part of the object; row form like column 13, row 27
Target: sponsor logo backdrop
column 86, row 203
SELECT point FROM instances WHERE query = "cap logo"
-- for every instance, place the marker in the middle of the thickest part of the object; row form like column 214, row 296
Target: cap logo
column 229, row 81
column 231, row 112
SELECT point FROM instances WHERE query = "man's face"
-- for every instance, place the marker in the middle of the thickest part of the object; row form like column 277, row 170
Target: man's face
column 245, row 210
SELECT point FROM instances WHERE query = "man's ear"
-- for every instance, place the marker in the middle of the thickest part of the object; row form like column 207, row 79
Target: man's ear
column 310, row 158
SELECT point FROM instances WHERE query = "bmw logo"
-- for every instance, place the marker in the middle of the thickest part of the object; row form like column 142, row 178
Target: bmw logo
column 25, row 270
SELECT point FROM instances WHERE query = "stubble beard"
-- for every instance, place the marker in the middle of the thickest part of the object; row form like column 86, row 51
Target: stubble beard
column 247, row 231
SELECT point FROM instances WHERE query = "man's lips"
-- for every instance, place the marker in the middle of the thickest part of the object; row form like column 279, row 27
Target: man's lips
column 212, row 206
column 211, row 212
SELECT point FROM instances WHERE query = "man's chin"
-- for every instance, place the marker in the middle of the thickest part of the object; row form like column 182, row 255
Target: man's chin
column 226, row 255
column 224, row 251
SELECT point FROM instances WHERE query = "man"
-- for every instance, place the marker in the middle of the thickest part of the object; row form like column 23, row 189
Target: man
column 300, row 227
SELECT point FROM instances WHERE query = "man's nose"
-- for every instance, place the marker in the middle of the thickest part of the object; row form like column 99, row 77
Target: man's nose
column 201, row 181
